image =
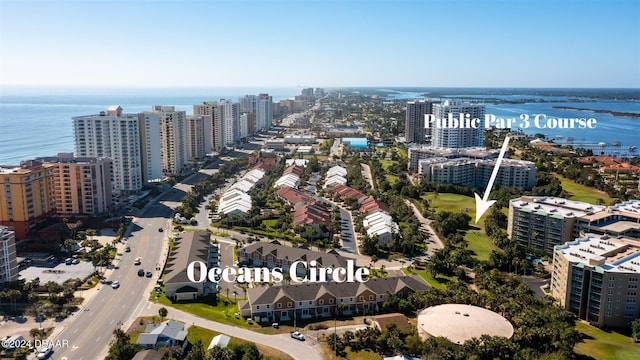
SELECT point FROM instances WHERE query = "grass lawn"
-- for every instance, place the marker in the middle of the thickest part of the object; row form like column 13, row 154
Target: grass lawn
column 208, row 308
column 386, row 163
column 478, row 240
column 320, row 157
column 602, row 345
column 270, row 223
column 583, row 193
column 439, row 282
column 328, row 353
column 391, row 179
column 205, row 335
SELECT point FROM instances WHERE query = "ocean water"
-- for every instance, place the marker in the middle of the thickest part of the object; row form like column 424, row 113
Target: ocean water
column 37, row 122
column 609, row 129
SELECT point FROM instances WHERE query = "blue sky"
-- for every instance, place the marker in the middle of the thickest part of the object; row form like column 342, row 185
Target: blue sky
column 321, row 43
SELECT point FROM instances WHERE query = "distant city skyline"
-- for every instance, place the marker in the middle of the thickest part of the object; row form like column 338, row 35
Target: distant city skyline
column 463, row 43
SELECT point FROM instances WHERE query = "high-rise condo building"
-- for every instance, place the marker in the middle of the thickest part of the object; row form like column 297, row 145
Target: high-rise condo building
column 457, row 137
column 597, row 277
column 212, row 109
column 114, row 135
column 248, row 103
column 198, row 137
column 150, row 146
column 173, row 138
column 26, row 197
column 414, row 128
column 476, row 172
column 230, row 119
column 8, row 263
column 541, row 222
column 244, row 125
column 264, row 115
column 82, row 185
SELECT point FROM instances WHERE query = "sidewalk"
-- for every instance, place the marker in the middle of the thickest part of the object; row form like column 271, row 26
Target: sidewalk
column 282, row 342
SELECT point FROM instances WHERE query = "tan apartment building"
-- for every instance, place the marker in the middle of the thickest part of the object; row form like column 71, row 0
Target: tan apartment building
column 542, row 222
column 26, row 197
column 82, row 185
column 621, row 219
column 597, row 277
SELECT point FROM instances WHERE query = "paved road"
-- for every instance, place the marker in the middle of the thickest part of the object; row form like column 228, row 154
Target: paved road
column 348, row 234
column 434, row 241
column 91, row 331
column 283, row 342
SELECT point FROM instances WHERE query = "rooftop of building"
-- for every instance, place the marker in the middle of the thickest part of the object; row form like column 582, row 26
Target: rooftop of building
column 189, row 247
column 470, row 322
column 604, row 253
column 551, row 205
column 473, row 152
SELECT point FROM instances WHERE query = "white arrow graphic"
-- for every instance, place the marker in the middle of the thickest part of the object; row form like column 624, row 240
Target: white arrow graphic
column 484, row 204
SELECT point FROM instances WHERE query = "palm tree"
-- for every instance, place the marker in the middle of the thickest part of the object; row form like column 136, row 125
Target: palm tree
column 235, row 295
column 34, row 332
column 14, row 295
column 163, row 313
column 347, row 337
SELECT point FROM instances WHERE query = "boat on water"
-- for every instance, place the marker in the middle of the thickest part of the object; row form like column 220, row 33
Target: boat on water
column 616, row 143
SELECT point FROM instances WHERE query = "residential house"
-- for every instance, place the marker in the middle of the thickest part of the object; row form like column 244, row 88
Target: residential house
column 307, row 300
column 148, row 355
column 344, row 192
column 372, row 205
column 380, row 224
column 314, row 217
column 272, row 255
column 401, row 322
column 168, row 333
column 293, row 196
column 187, row 248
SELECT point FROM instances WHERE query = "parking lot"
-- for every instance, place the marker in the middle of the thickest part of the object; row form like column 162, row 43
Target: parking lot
column 58, row 273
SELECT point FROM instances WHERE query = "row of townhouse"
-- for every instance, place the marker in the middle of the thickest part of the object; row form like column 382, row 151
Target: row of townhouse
column 308, row 212
column 236, row 199
column 336, row 175
column 290, row 177
column 271, row 255
column 187, row 248
column 308, row 300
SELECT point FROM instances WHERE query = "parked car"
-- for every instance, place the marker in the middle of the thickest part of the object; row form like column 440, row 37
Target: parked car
column 127, row 248
column 44, row 353
column 75, row 261
column 137, row 261
column 116, row 284
column 297, row 335
column 160, row 229
column 148, row 274
column 68, row 261
column 141, row 272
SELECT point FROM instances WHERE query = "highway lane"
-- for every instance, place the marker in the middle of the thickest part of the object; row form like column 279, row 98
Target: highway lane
column 91, row 332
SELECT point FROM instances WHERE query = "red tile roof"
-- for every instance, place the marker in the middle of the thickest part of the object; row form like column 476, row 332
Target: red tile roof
column 310, row 214
column 371, row 205
column 293, row 169
column 293, row 196
column 346, row 192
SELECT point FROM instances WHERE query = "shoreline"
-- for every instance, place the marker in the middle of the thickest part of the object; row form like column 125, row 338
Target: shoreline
column 600, row 111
